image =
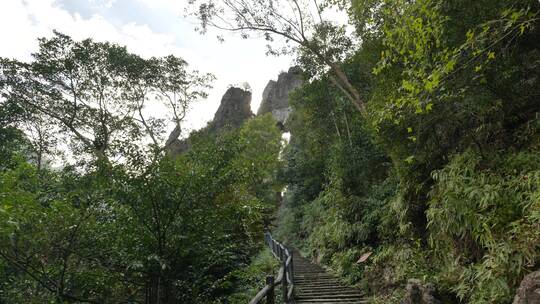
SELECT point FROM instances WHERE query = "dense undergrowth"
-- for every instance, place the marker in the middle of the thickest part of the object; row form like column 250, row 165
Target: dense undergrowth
column 440, row 180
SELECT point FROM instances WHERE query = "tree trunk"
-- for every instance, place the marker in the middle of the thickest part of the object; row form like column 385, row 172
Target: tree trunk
column 347, row 88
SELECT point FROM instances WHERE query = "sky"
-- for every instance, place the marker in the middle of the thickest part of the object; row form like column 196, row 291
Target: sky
column 148, row 28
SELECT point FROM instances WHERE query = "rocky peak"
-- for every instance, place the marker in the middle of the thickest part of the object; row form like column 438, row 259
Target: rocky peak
column 276, row 94
column 234, row 109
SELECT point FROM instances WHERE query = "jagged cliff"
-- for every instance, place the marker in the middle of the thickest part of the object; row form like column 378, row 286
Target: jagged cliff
column 234, row 109
column 276, row 94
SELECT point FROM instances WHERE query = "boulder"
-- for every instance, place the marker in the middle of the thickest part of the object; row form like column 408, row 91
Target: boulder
column 529, row 289
column 419, row 293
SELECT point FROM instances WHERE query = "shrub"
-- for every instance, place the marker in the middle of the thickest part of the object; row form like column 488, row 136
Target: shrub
column 484, row 223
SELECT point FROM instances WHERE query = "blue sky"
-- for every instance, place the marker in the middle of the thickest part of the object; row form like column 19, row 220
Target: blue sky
column 146, row 27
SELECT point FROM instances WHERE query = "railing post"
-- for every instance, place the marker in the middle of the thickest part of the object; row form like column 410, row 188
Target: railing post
column 291, row 266
column 283, row 254
column 284, row 281
column 270, row 294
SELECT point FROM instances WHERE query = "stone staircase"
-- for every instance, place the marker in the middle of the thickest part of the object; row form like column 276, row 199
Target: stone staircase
column 313, row 285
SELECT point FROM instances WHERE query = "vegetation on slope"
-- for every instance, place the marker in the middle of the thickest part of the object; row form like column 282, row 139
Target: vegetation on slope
column 439, row 179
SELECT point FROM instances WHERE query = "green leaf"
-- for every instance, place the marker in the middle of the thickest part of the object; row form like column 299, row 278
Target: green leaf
column 433, row 81
column 470, row 35
column 521, row 29
column 450, row 65
column 408, row 86
column 515, row 16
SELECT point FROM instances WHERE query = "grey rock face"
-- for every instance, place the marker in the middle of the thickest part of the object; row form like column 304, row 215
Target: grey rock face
column 529, row 289
column 234, row 109
column 276, row 94
column 174, row 145
column 178, row 146
column 418, row 293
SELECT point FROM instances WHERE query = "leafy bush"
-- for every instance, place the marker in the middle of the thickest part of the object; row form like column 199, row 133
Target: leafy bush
column 251, row 279
column 389, row 268
column 484, row 221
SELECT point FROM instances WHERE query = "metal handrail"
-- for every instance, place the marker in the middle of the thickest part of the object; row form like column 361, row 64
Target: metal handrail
column 285, row 274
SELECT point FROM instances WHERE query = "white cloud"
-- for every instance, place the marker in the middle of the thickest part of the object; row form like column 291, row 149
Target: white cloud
column 16, row 28
column 235, row 61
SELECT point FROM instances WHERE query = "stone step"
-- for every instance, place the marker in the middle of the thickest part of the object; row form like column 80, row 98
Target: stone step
column 316, row 283
column 307, row 280
column 338, row 294
column 316, row 279
column 330, row 300
column 333, row 287
column 332, row 296
column 328, row 292
column 313, row 285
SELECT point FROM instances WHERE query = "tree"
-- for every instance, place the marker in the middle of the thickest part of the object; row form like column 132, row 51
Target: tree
column 147, row 228
column 96, row 93
column 302, row 23
column 59, row 240
column 199, row 216
column 12, row 139
column 43, row 142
